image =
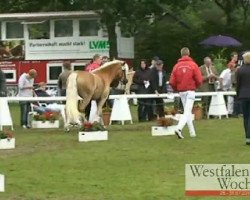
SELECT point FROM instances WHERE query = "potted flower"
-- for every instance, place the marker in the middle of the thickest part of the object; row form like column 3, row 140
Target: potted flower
column 7, row 140
column 174, row 113
column 106, row 115
column 165, row 122
column 92, row 132
column 46, row 120
column 197, row 111
column 165, row 126
column 171, row 111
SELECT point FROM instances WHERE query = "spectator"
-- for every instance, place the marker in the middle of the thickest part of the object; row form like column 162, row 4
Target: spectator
column 226, row 79
column 63, row 77
column 243, row 93
column 142, row 79
column 105, row 59
column 153, row 62
column 186, row 78
column 210, row 76
column 234, row 64
column 95, row 63
column 158, row 82
column 41, row 92
column 233, row 60
column 3, row 91
column 48, row 107
column 25, row 89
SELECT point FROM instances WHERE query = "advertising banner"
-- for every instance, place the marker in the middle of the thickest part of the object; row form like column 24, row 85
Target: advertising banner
column 217, row 179
column 66, row 48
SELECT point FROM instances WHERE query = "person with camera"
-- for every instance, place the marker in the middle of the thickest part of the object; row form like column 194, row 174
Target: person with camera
column 142, row 80
column 26, row 89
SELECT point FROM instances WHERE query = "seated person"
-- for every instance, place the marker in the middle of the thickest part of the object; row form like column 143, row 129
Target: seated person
column 42, row 107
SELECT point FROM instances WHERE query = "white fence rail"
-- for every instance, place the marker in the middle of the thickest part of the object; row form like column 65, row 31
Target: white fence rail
column 130, row 96
column 120, row 111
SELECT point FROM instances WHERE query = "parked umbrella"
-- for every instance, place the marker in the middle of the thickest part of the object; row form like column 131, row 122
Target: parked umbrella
column 221, row 41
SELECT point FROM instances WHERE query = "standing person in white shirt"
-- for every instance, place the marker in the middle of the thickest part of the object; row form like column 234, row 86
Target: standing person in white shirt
column 25, row 89
column 227, row 85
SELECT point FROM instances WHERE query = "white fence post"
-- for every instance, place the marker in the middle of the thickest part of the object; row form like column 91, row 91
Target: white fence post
column 121, row 111
column 5, row 117
column 2, row 183
column 217, row 106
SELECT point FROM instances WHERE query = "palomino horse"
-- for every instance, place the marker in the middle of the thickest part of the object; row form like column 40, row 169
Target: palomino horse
column 91, row 86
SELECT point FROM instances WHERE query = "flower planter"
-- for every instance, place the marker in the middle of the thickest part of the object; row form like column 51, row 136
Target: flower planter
column 106, row 118
column 198, row 113
column 45, row 124
column 1, row 183
column 162, row 131
column 92, row 136
column 7, row 143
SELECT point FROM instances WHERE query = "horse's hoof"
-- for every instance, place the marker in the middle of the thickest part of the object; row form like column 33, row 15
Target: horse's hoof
column 66, row 130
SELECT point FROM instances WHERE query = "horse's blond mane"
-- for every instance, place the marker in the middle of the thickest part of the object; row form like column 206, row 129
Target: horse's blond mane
column 108, row 64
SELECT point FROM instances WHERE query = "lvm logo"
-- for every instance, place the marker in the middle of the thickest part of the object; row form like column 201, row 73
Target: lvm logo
column 99, row 45
column 217, row 179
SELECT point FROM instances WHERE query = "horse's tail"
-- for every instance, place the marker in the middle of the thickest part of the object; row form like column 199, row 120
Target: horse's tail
column 72, row 112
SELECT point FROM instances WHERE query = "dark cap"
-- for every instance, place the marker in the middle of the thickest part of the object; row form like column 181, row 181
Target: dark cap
column 156, row 58
column 159, row 62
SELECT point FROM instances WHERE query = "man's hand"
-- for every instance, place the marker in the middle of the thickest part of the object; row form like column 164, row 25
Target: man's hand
column 212, row 76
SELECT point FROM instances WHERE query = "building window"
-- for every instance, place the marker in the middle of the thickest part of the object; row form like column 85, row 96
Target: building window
column 78, row 66
column 39, row 31
column 63, row 28
column 14, row 30
column 88, row 27
column 53, row 71
column 10, row 75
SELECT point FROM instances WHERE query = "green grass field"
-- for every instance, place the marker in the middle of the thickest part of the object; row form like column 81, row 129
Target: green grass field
column 50, row 164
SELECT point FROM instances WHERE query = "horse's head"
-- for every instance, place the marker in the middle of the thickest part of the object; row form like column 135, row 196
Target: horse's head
column 117, row 70
column 122, row 73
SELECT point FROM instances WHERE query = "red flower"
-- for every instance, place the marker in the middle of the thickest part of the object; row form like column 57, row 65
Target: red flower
column 48, row 115
column 87, row 125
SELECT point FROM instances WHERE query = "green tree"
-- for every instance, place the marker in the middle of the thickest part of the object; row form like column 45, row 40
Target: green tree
column 128, row 14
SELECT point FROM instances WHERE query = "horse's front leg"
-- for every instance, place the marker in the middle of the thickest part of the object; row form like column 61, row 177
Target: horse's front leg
column 100, row 104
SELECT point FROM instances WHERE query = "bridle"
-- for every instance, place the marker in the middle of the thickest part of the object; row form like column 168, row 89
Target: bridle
column 124, row 69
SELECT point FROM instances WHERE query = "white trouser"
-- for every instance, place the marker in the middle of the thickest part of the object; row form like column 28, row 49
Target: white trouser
column 187, row 99
column 230, row 104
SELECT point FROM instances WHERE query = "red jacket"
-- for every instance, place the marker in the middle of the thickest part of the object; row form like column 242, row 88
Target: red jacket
column 186, row 75
column 92, row 67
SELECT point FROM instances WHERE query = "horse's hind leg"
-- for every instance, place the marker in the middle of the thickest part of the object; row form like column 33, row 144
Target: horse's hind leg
column 66, row 124
column 82, row 106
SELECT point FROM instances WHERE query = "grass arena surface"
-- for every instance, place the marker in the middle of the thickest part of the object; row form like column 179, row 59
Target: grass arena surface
column 50, row 164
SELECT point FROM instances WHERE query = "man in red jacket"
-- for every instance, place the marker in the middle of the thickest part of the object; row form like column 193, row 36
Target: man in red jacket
column 185, row 79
